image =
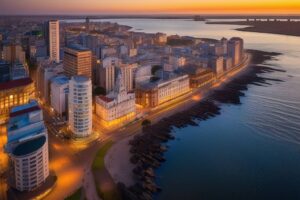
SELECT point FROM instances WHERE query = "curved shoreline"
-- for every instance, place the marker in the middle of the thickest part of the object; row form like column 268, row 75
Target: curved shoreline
column 147, row 149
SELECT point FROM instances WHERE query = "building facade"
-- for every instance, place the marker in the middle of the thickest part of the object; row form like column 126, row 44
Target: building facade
column 152, row 95
column 80, row 106
column 54, row 40
column 14, row 93
column 235, row 50
column 27, row 147
column 201, row 78
column 13, row 53
column 59, row 94
column 127, row 71
column 107, row 73
column 77, row 61
column 117, row 107
column 45, row 72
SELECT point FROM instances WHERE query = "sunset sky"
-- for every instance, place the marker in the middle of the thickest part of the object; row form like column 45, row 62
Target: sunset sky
column 149, row 7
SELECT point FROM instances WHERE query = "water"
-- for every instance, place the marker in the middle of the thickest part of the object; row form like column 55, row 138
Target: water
column 250, row 151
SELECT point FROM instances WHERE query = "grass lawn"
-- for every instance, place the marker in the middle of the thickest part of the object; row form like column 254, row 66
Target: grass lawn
column 75, row 196
column 105, row 186
column 98, row 163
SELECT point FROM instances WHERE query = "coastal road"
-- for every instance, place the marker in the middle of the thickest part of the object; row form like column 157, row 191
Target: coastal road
column 71, row 160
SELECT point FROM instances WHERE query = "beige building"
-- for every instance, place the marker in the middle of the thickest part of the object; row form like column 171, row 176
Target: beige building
column 154, row 94
column 127, row 71
column 107, row 72
column 13, row 53
column 54, row 40
column 117, row 107
column 77, row 61
column 235, row 50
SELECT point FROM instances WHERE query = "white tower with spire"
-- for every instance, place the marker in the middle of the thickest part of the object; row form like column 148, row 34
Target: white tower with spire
column 118, row 107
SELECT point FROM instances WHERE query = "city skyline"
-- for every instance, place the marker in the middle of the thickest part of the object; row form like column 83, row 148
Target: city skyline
column 94, row 7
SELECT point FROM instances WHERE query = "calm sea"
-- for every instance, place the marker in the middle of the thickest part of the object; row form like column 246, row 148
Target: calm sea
column 250, row 151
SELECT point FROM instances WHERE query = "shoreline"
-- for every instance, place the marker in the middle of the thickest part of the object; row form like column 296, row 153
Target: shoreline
column 270, row 27
column 144, row 152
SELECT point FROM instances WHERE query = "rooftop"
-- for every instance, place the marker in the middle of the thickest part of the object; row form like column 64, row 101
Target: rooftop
column 77, row 47
column 29, row 146
column 24, row 107
column 15, row 83
column 60, row 79
column 104, row 98
column 80, row 78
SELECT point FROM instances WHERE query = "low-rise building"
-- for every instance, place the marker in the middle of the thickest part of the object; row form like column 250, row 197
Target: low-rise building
column 154, row 94
column 201, row 77
column 14, row 93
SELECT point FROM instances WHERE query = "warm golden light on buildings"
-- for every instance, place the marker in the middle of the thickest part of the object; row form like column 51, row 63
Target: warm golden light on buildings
column 14, row 93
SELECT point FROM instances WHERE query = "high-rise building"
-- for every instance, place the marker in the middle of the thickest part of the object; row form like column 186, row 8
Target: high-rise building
column 27, row 147
column 107, row 73
column 18, row 71
column 77, row 61
column 116, row 107
column 4, row 71
column 235, row 49
column 59, row 94
column 80, row 106
column 45, row 72
column 216, row 64
column 87, row 24
column 54, row 40
column 13, row 53
column 127, row 71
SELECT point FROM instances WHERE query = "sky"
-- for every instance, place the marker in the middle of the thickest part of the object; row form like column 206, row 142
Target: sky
column 40, row 7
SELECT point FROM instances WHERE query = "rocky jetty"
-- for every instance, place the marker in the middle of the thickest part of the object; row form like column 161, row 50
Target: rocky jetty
column 148, row 148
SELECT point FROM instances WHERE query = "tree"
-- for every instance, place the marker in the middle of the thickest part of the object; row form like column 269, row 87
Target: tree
column 146, row 122
column 99, row 91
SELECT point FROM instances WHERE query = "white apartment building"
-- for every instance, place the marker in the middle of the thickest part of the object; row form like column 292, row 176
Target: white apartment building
column 45, row 72
column 59, row 94
column 117, row 107
column 172, row 88
column 27, row 147
column 80, row 106
column 54, row 40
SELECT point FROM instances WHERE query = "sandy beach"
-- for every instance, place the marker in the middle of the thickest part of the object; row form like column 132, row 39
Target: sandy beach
column 118, row 164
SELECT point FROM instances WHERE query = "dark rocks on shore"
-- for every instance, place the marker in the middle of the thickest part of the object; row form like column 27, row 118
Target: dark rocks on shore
column 147, row 149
